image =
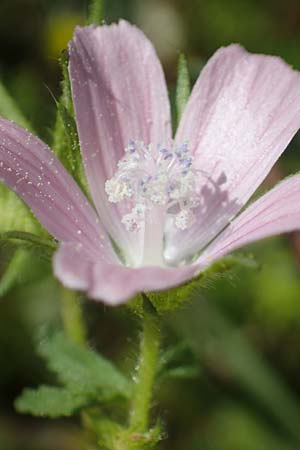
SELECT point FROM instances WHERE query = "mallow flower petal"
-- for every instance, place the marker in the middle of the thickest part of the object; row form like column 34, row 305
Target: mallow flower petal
column 119, row 94
column 276, row 212
column 242, row 113
column 72, row 266
column 32, row 170
column 109, row 282
column 114, row 284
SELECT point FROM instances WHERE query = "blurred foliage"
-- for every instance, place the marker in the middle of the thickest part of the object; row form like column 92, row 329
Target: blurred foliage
column 241, row 352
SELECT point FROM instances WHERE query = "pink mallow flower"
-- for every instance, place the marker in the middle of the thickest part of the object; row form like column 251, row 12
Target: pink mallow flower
column 164, row 207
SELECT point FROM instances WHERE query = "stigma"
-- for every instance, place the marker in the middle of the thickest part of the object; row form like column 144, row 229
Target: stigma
column 155, row 176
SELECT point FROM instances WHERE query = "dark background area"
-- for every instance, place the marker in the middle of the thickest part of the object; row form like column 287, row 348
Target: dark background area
column 243, row 330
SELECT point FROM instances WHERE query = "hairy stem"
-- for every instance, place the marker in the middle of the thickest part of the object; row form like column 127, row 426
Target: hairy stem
column 146, row 371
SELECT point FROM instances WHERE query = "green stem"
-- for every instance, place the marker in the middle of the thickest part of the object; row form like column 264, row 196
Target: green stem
column 72, row 316
column 147, row 367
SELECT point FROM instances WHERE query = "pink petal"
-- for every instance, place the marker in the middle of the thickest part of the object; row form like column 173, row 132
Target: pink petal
column 276, row 212
column 112, row 283
column 243, row 112
column 120, row 94
column 29, row 167
column 73, row 267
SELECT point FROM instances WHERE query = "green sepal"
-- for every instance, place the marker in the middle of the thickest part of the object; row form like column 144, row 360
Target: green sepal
column 169, row 300
column 140, row 441
column 95, row 12
column 72, row 155
column 49, row 401
column 114, row 437
column 183, row 86
column 65, row 137
column 111, row 435
column 135, row 305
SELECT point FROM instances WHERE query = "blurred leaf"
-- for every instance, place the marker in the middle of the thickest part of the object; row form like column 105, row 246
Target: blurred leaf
column 233, row 428
column 96, row 12
column 42, row 247
column 59, row 29
column 213, row 338
column 183, row 88
column 172, row 354
column 10, row 110
column 14, row 212
column 12, row 272
column 182, row 373
column 15, row 215
column 50, row 401
column 82, row 369
column 178, row 362
column 275, row 293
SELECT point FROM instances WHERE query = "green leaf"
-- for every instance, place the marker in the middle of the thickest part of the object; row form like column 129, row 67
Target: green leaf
column 50, row 401
column 86, row 378
column 183, row 87
column 83, row 369
column 10, row 110
column 96, row 12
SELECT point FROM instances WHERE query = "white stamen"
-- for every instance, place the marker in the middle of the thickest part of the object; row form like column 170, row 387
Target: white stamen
column 185, row 219
column 157, row 176
column 117, row 189
column 135, row 219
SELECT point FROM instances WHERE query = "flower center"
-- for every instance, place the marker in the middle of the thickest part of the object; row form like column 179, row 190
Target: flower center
column 155, row 176
column 159, row 183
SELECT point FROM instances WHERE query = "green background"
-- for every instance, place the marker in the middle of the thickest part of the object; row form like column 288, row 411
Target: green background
column 243, row 331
